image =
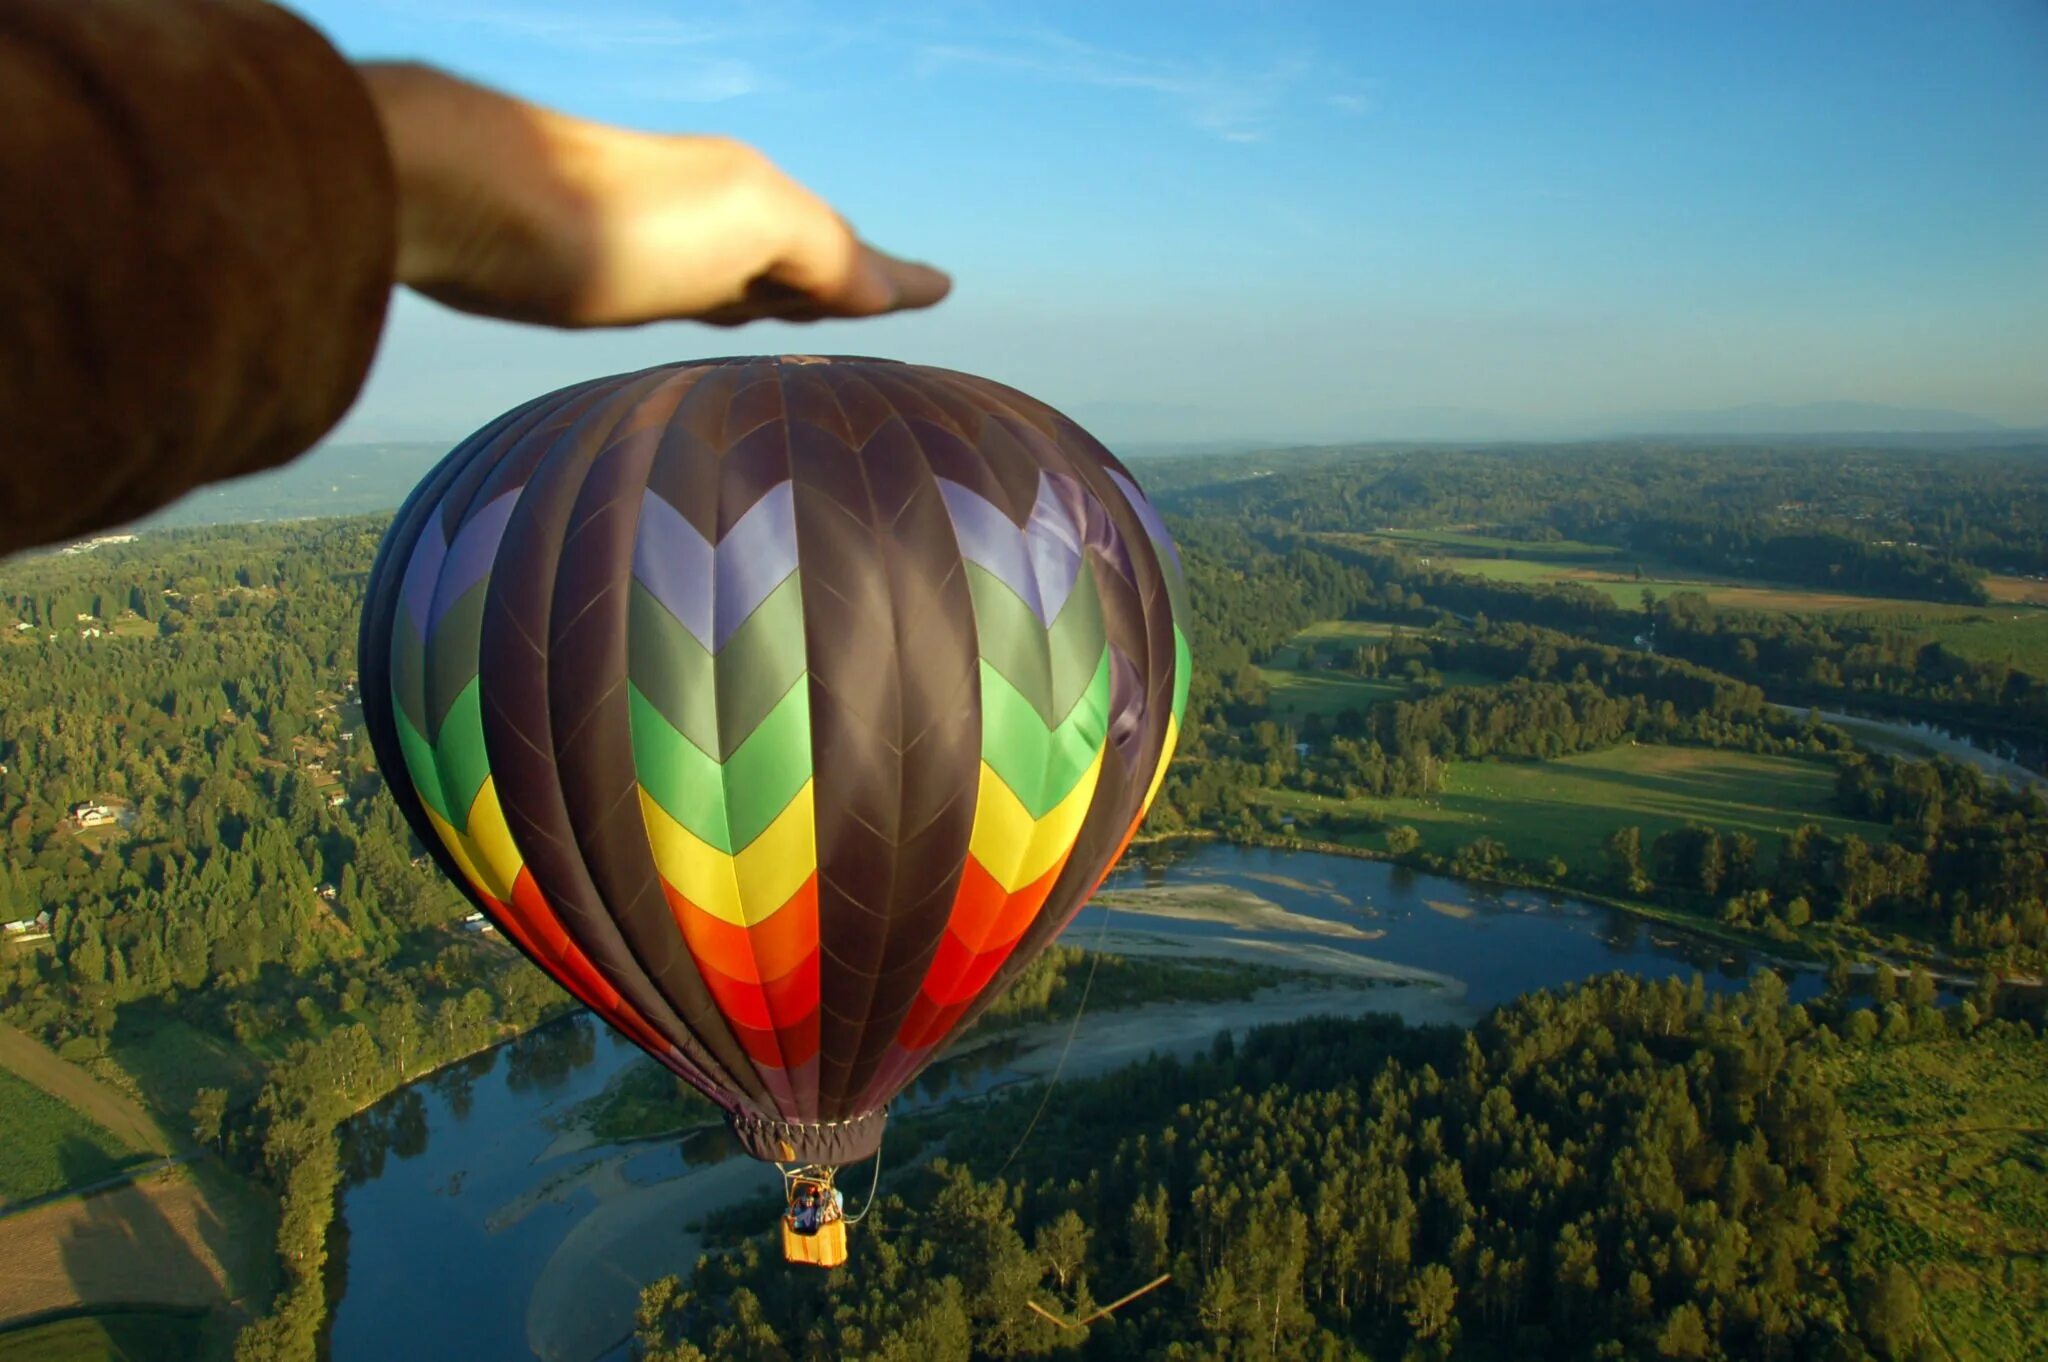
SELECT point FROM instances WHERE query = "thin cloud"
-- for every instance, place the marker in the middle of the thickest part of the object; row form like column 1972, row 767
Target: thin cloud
column 589, row 31
column 710, row 80
column 1234, row 105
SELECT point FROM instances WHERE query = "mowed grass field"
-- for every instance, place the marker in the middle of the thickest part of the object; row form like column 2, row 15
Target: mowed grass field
column 189, row 1238
column 1951, row 1182
column 46, row 1146
column 1567, row 807
column 1295, row 695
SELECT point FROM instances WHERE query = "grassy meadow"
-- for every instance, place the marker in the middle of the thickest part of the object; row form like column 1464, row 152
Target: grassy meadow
column 49, row 1145
column 1566, row 807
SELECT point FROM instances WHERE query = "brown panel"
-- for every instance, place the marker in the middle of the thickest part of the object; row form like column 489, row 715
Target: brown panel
column 895, row 725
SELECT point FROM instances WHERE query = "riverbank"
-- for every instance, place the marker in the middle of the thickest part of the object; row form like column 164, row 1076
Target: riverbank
column 1228, row 905
column 582, row 1306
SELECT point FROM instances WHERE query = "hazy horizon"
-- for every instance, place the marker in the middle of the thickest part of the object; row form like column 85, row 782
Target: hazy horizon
column 1484, row 220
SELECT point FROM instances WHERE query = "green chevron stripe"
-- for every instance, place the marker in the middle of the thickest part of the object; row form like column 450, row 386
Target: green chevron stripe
column 1041, row 764
column 716, row 702
column 727, row 805
column 1049, row 667
column 408, row 672
column 449, row 771
column 1183, row 672
column 452, row 655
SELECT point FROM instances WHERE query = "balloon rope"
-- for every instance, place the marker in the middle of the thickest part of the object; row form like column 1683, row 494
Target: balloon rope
column 1073, row 1030
column 873, row 1186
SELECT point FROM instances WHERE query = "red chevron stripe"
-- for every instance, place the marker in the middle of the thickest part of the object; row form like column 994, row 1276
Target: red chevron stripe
column 787, row 1047
column 959, row 972
column 778, row 1003
column 764, row 978
column 531, row 922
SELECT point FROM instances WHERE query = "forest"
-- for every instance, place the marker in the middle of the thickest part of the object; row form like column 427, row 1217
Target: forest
column 223, row 912
column 1617, row 1170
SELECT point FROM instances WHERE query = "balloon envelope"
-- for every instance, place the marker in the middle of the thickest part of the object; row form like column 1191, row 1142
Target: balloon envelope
column 781, row 709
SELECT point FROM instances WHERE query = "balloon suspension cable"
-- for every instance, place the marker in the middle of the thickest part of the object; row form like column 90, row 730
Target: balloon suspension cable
column 1080, row 1010
column 874, row 1185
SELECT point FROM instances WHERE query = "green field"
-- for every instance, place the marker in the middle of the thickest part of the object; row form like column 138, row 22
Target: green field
column 168, row 1061
column 1951, row 1182
column 2013, row 631
column 1463, row 541
column 1298, row 694
column 1566, row 808
column 119, row 1336
column 1366, row 631
column 48, row 1145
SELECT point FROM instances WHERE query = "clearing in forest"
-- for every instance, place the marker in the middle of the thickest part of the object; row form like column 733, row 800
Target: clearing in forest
column 1568, row 806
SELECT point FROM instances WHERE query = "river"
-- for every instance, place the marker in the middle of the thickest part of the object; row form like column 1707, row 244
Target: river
column 473, row 1226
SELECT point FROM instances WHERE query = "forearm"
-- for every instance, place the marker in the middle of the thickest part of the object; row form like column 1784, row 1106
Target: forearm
column 197, row 246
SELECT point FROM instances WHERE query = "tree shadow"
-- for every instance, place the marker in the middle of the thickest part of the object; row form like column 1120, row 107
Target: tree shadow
column 120, row 1249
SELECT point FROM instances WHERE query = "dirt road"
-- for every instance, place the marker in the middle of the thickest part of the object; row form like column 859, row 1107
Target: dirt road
column 124, row 1117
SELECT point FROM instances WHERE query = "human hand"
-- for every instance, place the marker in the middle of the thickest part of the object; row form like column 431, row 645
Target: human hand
column 513, row 211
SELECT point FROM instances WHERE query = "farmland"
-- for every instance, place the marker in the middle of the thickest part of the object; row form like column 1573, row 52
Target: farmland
column 1566, row 807
column 2012, row 629
column 50, row 1146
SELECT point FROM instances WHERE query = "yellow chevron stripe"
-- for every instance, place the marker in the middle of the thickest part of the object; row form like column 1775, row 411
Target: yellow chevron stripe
column 746, row 888
column 1013, row 848
column 1165, row 760
column 485, row 851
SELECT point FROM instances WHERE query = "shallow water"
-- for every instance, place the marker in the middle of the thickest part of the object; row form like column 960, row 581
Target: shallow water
column 445, row 1230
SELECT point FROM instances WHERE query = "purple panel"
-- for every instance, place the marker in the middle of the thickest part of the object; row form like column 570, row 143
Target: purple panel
column 1053, row 538
column 675, row 564
column 470, row 556
column 992, row 540
column 421, row 574
column 754, row 558
column 1154, row 526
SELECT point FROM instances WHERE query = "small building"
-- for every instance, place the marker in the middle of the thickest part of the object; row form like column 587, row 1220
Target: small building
column 336, row 800
column 328, row 892
column 477, row 922
column 26, row 929
column 90, row 813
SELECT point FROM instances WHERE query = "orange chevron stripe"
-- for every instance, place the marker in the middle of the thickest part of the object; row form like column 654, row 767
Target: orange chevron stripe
column 985, row 928
column 768, row 950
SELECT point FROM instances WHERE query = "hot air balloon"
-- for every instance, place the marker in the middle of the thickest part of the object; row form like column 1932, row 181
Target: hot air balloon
column 781, row 709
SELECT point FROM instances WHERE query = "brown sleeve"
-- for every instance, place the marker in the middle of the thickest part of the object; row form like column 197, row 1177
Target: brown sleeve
column 197, row 239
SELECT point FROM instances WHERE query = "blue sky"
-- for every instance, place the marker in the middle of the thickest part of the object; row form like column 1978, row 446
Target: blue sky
column 1330, row 220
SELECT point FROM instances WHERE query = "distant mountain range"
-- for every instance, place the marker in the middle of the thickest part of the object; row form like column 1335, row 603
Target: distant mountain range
column 359, row 479
column 1142, row 426
column 1807, row 418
